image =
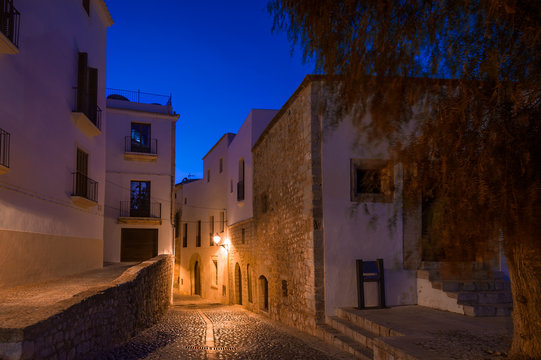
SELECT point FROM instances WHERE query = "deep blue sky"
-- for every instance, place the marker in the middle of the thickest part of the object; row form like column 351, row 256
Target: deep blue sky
column 218, row 58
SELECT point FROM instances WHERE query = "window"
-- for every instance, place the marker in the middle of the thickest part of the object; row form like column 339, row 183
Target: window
column 185, row 235
column 222, row 221
column 208, row 175
column 177, row 224
column 221, row 165
column 140, row 199
column 140, row 138
column 242, row 236
column 211, row 230
column 81, row 176
column 240, row 184
column 264, row 203
column 215, row 271
column 87, row 90
column 284, row 288
column 185, row 201
column 86, row 6
column 198, row 235
column 371, row 180
column 231, row 186
column 10, row 21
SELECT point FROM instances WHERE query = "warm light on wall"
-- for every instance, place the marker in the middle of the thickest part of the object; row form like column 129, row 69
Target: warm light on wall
column 221, row 242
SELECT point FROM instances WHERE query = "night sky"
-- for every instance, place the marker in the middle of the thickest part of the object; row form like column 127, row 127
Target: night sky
column 219, row 60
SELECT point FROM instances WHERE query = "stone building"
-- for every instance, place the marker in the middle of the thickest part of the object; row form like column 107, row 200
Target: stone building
column 52, row 138
column 140, row 173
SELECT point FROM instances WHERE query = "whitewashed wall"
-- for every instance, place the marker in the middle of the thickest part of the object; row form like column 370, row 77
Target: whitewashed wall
column 42, row 233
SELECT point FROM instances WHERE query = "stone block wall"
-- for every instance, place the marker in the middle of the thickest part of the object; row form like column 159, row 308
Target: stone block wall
column 288, row 243
column 99, row 318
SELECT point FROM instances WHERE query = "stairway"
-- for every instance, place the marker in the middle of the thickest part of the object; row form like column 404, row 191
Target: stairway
column 352, row 333
column 476, row 292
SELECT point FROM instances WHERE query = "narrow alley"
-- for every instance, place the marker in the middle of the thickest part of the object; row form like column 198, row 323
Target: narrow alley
column 194, row 329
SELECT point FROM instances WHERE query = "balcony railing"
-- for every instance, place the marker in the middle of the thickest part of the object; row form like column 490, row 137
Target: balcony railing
column 10, row 21
column 4, row 148
column 93, row 113
column 132, row 146
column 84, row 187
column 240, row 191
column 140, row 209
column 138, row 97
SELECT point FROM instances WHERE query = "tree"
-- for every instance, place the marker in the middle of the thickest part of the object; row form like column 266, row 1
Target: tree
column 469, row 74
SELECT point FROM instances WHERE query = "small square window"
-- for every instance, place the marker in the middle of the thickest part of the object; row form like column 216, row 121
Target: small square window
column 371, row 180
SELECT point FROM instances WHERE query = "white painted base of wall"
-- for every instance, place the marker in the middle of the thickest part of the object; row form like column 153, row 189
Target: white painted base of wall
column 435, row 298
column 31, row 257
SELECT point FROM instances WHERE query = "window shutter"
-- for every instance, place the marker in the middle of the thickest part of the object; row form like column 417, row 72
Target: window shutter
column 82, row 83
column 92, row 94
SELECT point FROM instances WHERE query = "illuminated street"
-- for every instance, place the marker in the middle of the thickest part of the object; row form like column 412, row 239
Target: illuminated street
column 220, row 332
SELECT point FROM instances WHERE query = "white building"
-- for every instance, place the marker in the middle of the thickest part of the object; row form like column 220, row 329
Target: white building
column 52, row 141
column 202, row 216
column 140, row 176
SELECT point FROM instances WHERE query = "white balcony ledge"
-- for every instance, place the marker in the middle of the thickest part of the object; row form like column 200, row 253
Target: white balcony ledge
column 139, row 220
column 6, row 46
column 84, row 124
column 137, row 156
column 3, row 169
column 83, row 202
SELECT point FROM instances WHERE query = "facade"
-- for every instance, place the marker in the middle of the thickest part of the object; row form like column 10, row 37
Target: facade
column 140, row 172
column 202, row 215
column 52, row 138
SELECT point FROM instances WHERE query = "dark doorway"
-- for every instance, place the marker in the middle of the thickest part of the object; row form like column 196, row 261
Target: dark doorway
column 197, row 279
column 138, row 244
column 263, row 293
column 238, row 285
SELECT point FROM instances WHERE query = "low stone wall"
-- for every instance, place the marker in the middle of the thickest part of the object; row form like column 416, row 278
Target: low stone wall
column 98, row 318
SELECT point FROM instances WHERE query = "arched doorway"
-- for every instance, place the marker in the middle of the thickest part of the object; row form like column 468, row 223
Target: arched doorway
column 238, row 285
column 263, row 293
column 197, row 278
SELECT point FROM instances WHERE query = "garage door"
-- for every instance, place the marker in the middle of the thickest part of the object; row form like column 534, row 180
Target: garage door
column 138, row 244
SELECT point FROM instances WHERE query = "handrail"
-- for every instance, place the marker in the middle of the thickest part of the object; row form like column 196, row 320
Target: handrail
column 84, row 186
column 4, row 147
column 10, row 21
column 140, row 209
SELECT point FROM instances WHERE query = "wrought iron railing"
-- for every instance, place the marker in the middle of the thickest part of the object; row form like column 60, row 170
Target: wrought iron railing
column 144, row 209
column 131, row 145
column 240, row 191
column 10, row 21
column 138, row 97
column 85, row 187
column 93, row 113
column 4, row 148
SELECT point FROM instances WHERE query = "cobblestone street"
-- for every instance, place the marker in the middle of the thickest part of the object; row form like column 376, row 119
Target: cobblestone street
column 220, row 332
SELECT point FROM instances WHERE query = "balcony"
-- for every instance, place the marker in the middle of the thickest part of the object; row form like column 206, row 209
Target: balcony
column 139, row 101
column 139, row 151
column 85, row 191
column 86, row 116
column 4, row 151
column 240, row 191
column 133, row 212
column 10, row 21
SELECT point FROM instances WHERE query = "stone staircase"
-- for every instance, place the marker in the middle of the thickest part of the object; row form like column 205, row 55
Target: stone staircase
column 353, row 333
column 469, row 290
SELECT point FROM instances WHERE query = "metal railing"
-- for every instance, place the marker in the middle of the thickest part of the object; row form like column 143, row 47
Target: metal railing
column 141, row 209
column 240, row 191
column 10, row 21
column 133, row 146
column 138, row 97
column 85, row 187
column 82, row 105
column 4, row 148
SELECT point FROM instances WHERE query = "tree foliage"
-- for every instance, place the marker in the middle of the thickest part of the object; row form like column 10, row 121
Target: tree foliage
column 469, row 74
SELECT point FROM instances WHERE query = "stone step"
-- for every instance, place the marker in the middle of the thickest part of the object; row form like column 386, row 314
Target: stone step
column 357, row 333
column 344, row 342
column 488, row 310
column 353, row 316
column 484, row 297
